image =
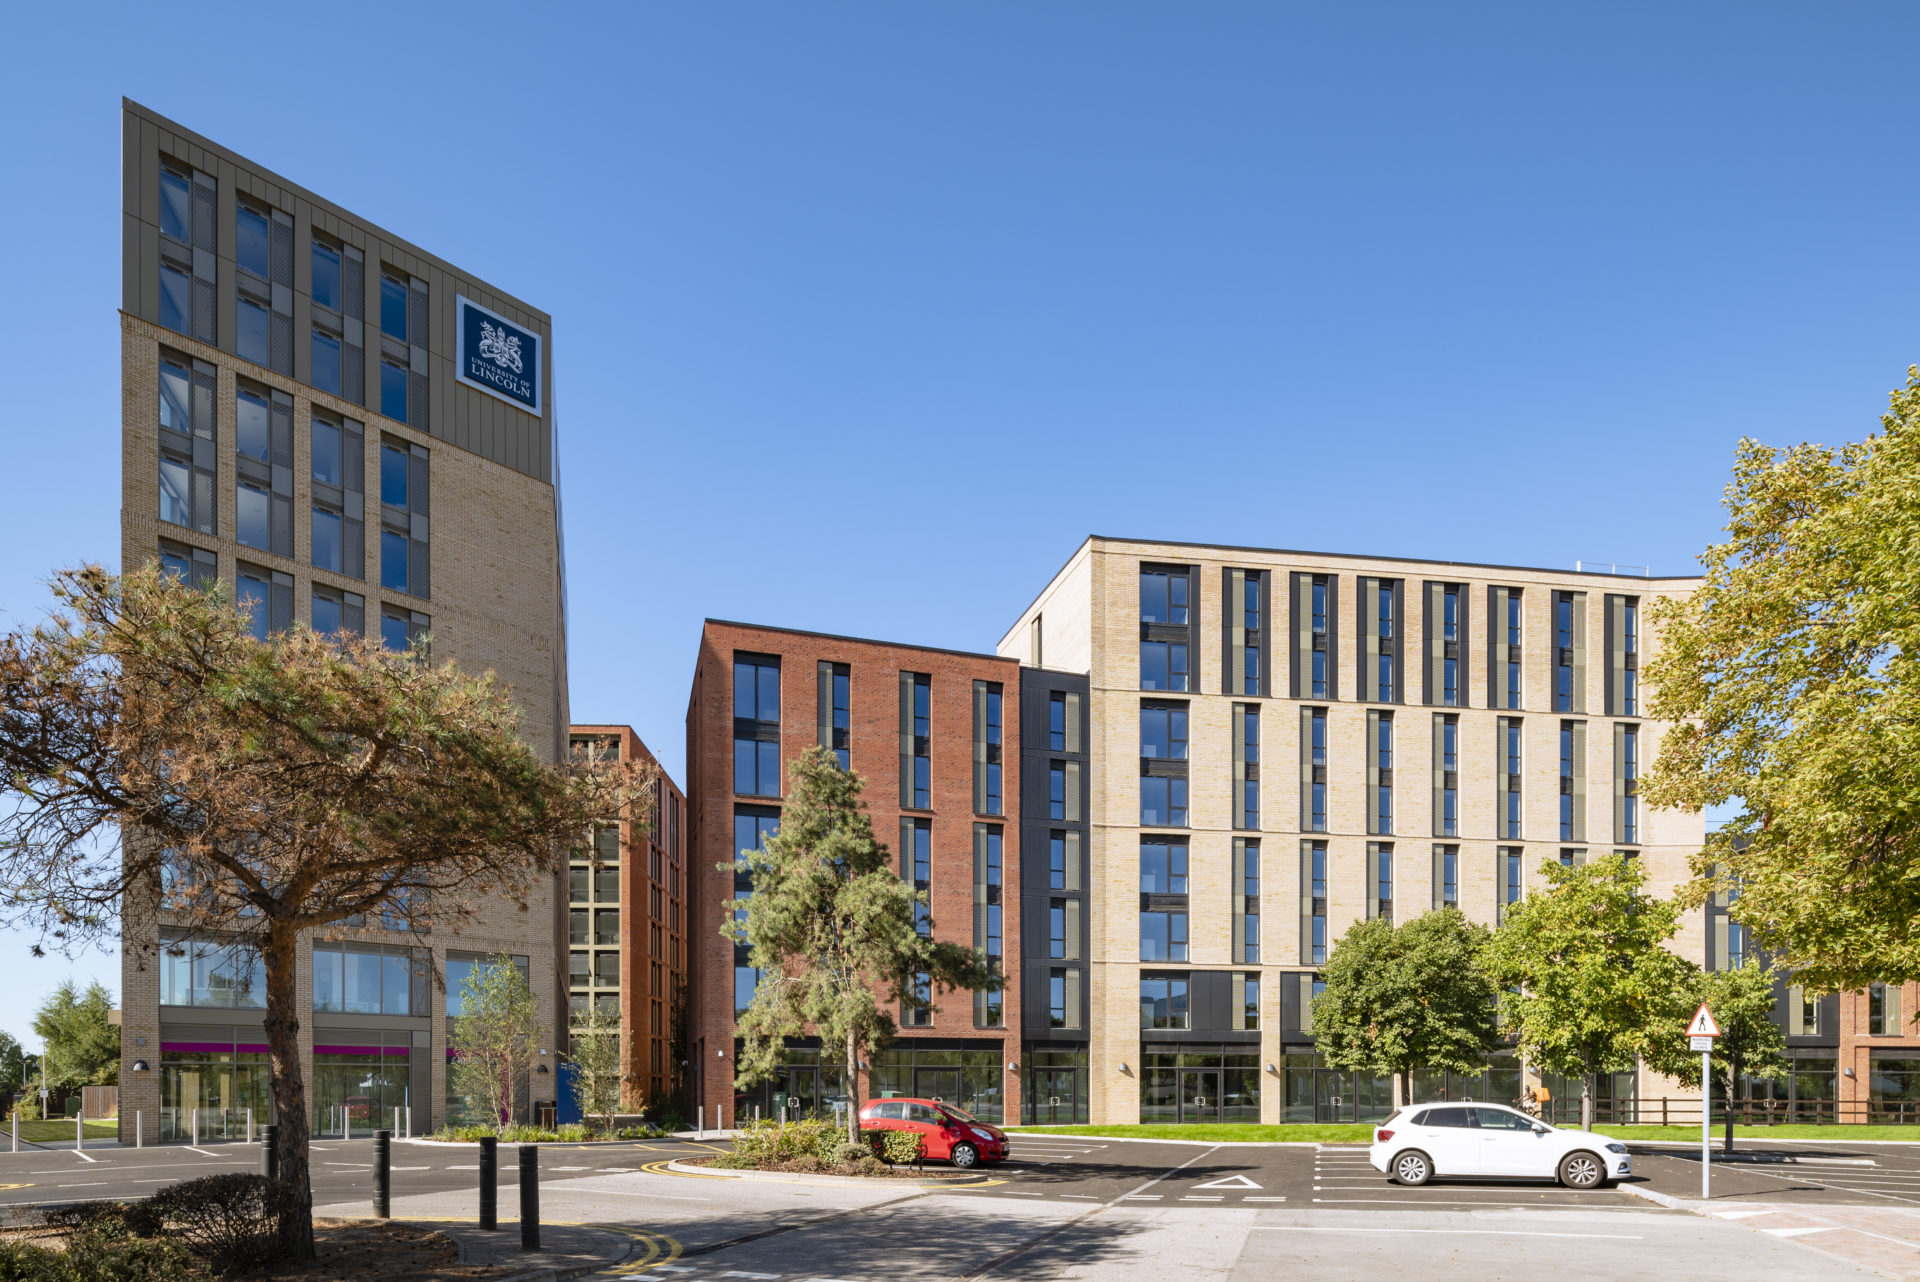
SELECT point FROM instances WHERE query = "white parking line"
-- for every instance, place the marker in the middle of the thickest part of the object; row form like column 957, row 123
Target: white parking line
column 1330, row 1228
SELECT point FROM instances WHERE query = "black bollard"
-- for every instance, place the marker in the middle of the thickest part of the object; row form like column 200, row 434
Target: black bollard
column 383, row 1175
column 270, row 1152
column 529, row 1197
column 489, row 1183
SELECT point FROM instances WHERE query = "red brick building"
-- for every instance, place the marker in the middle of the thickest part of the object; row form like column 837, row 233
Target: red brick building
column 627, row 923
column 927, row 730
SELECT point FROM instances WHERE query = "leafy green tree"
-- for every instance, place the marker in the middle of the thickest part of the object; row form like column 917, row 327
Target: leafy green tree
column 1398, row 998
column 1792, row 679
column 831, row 930
column 594, row 1051
column 494, row 1039
column 1589, row 986
column 82, row 1048
column 15, row 1066
column 1750, row 1044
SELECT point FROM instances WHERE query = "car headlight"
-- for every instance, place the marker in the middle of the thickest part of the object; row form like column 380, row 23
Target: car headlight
column 1616, row 1148
column 984, row 1137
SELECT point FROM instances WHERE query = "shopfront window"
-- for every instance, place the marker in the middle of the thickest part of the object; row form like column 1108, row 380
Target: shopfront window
column 220, row 1082
column 358, row 1086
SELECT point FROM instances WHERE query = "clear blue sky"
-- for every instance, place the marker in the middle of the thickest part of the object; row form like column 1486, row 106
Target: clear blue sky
column 866, row 314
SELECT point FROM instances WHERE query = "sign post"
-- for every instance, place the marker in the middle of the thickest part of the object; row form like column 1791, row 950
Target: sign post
column 1700, row 1034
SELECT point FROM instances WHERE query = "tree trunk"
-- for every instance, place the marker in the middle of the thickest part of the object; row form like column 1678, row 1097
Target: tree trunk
column 280, row 954
column 1399, row 1090
column 1586, row 1101
column 1733, row 1085
column 853, row 1091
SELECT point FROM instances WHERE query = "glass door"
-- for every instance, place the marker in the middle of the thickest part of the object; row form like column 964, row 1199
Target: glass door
column 942, row 1084
column 1199, row 1094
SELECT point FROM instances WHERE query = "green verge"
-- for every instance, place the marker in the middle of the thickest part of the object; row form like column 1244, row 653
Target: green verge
column 1337, row 1133
column 54, row 1131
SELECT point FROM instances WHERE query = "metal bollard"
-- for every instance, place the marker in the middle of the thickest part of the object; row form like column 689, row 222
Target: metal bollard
column 409, row 1121
column 382, row 1175
column 196, row 1126
column 249, row 1126
column 16, row 1130
column 270, row 1151
column 80, row 1131
column 529, row 1197
column 139, row 1140
column 489, row 1183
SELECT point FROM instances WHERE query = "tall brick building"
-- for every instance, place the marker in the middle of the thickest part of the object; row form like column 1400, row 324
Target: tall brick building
column 356, row 435
column 926, row 729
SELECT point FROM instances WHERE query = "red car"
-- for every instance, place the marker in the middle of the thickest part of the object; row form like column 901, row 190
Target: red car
column 951, row 1133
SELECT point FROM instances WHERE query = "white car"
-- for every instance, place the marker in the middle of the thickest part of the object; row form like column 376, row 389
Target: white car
column 1415, row 1144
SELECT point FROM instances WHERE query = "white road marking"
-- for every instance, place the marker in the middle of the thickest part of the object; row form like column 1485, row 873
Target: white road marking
column 1738, row 1215
column 83, row 1157
column 1825, row 1228
column 90, row 1184
column 1230, row 1182
column 1264, row 1199
column 1202, row 1199
column 1082, row 1197
column 1329, row 1228
column 762, row 1277
column 1142, row 1197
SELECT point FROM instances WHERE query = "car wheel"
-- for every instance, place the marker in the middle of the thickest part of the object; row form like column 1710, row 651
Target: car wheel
column 965, row 1155
column 1582, row 1170
column 1412, row 1168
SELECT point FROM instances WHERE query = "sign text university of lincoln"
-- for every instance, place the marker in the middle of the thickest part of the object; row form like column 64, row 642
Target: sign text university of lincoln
column 487, row 371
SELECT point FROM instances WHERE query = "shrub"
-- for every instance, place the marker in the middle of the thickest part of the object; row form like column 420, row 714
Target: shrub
column 901, row 1147
column 228, row 1220
column 114, row 1219
column 96, row 1257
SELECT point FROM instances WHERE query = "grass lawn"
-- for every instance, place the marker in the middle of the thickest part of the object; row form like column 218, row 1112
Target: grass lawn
column 61, row 1129
column 1337, row 1133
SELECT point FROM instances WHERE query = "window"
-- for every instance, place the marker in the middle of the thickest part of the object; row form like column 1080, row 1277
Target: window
column 1163, row 730
column 267, row 598
column 1379, row 880
column 986, row 747
column 916, row 740
column 1573, row 781
column 1314, row 638
column 1057, row 790
column 756, row 725
column 1245, row 887
column 176, row 205
column 1379, row 772
column 263, row 444
column 1446, row 877
column 1246, row 765
column 195, row 567
column 1313, row 902
column 1245, row 620
column 187, row 442
column 1507, row 789
column 1379, row 654
column 746, row 981
column 368, row 979
column 339, row 278
column 1513, row 646
column 263, row 252
column 251, row 235
column 916, row 852
column 1063, row 860
column 1057, row 721
column 1163, row 867
column 1883, row 1010
column 393, row 305
column 988, row 877
column 1503, row 647
column 1623, row 656
column 1165, row 628
column 1243, row 997
column 1569, row 651
column 835, row 701
column 1726, row 938
column 1063, row 997
column 404, row 547
column 1507, row 859
column 393, row 389
column 326, row 274
column 1163, row 1001
column 1803, row 1013
column 1313, row 769
column 1626, row 783
column 404, row 630
column 1163, row 901
column 337, row 613
column 215, row 973
column 1446, row 774
column 460, row 966
column 1445, row 626
column 1163, row 935
column 188, row 250
column 339, row 532
column 1163, row 796
column 917, row 1012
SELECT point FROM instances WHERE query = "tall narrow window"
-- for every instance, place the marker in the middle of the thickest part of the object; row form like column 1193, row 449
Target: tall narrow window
column 989, row 1010
column 1446, row 774
column 266, row 596
column 1726, row 937
column 1573, row 781
column 1569, row 652
column 1379, row 772
column 1057, row 790
column 1445, row 626
column 1244, row 643
column 1313, row 769
column 1507, row 776
column 756, row 725
column 1504, row 634
column 1246, row 765
column 1446, row 877
column 1163, row 765
column 1163, row 900
column 916, row 852
column 1626, row 783
column 263, row 456
column 1063, row 860
column 1379, row 880
column 834, row 701
column 1313, row 902
column 986, row 747
column 1379, row 656
column 1623, row 656
column 1165, row 627
column 403, row 348
column 1315, row 638
column 188, row 262
column 404, row 547
column 1245, row 886
column 1507, row 867
column 916, row 740
column 1883, row 1010
column 1063, row 997
column 187, row 462
column 338, row 453
column 263, row 254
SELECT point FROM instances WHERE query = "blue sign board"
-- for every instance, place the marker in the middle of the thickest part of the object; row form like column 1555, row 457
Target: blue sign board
column 497, row 356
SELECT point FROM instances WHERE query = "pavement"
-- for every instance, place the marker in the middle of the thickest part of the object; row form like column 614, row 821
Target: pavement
column 1074, row 1207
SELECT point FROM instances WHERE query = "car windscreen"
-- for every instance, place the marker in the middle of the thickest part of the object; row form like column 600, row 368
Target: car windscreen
column 960, row 1113
column 1498, row 1119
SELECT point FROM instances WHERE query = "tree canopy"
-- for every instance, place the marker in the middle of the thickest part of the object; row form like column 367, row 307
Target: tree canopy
column 165, row 764
column 1409, row 996
column 1793, row 678
column 1587, row 985
column 82, row 1047
column 494, row 1039
column 830, row 927
column 1750, row 1044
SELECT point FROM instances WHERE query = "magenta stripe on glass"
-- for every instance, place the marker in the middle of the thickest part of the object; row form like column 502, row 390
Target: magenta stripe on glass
column 360, row 1050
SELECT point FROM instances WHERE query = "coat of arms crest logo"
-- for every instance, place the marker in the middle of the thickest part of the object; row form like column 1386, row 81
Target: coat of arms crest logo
column 500, row 347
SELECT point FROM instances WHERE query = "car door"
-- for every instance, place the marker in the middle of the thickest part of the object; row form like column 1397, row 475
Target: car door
column 886, row 1115
column 1509, row 1145
column 1448, row 1137
column 930, row 1122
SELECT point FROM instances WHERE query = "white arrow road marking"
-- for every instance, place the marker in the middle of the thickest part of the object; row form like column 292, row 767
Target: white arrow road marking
column 1229, row 1182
